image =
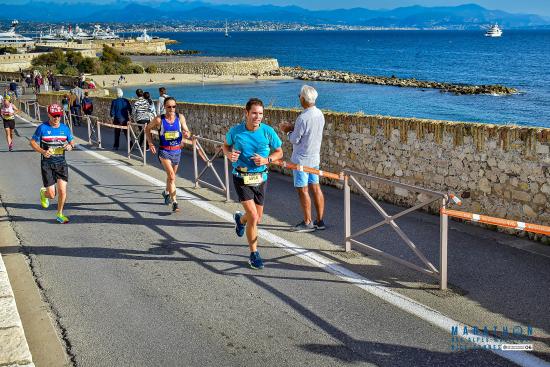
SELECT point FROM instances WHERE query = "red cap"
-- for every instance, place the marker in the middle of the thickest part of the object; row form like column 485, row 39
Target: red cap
column 55, row 110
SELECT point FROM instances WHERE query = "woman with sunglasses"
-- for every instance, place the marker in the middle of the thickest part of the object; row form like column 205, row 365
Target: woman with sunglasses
column 171, row 128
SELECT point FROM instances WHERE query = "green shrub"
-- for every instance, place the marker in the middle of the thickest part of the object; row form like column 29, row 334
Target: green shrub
column 71, row 71
column 151, row 69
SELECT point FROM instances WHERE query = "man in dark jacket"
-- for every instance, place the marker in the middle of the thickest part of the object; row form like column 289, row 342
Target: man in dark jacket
column 121, row 110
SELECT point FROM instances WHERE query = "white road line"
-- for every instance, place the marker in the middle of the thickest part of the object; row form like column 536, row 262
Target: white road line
column 398, row 300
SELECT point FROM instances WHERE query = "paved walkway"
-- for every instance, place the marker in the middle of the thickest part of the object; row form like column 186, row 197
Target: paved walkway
column 130, row 282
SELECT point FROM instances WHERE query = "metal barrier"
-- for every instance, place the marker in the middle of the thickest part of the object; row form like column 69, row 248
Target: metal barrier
column 133, row 140
column 198, row 150
column 433, row 196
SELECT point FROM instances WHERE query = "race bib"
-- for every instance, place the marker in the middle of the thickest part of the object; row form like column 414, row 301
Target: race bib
column 58, row 151
column 171, row 135
column 253, row 179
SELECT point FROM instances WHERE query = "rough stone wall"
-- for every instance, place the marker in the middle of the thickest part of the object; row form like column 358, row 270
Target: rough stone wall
column 237, row 67
column 14, row 62
column 503, row 170
column 153, row 47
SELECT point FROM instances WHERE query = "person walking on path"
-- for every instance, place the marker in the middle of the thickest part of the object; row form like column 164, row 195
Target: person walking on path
column 141, row 113
column 13, row 88
column 251, row 146
column 162, row 97
column 8, row 117
column 306, row 135
column 121, row 110
column 172, row 128
column 51, row 139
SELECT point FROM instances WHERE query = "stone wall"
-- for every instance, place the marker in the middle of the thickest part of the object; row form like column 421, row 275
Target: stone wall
column 155, row 46
column 501, row 170
column 236, row 67
column 15, row 62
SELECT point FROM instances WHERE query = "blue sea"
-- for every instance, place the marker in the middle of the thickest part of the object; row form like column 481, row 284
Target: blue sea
column 519, row 59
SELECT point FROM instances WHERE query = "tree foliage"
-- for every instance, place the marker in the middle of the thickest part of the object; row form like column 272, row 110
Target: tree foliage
column 73, row 63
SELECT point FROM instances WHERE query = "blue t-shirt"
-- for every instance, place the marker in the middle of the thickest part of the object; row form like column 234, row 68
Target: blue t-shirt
column 53, row 138
column 260, row 141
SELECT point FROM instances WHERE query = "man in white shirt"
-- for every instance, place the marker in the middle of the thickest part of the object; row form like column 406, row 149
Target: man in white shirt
column 162, row 97
column 306, row 135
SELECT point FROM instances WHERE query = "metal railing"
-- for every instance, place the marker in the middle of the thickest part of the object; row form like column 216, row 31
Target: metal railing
column 198, row 150
column 350, row 177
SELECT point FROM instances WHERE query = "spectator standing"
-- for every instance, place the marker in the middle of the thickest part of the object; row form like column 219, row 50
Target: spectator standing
column 87, row 104
column 306, row 135
column 162, row 96
column 13, row 88
column 121, row 110
column 77, row 94
column 141, row 113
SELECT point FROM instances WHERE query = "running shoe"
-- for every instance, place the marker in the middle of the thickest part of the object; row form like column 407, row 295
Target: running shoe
column 10, row 147
column 175, row 207
column 43, row 199
column 61, row 218
column 255, row 261
column 239, row 227
column 319, row 224
column 303, row 227
column 166, row 197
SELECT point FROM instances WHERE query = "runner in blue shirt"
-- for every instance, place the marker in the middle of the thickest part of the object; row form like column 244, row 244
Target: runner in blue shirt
column 51, row 139
column 251, row 146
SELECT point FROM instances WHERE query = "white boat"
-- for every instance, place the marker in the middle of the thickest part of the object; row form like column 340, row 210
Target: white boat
column 226, row 30
column 10, row 38
column 103, row 34
column 494, row 31
column 144, row 37
column 79, row 34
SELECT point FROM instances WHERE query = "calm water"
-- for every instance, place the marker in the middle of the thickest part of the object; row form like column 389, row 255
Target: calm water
column 520, row 59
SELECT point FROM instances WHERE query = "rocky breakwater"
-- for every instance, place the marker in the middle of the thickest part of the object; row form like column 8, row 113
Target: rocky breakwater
column 344, row 77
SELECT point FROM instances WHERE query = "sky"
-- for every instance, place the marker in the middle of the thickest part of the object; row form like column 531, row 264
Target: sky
column 540, row 7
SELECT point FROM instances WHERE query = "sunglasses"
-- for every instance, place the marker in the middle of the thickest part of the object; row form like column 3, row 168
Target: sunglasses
column 56, row 116
column 170, row 106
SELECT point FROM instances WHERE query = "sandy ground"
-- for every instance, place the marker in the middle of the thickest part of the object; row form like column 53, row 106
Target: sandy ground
column 109, row 81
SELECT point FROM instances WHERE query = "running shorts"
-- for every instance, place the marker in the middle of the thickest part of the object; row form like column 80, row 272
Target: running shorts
column 244, row 192
column 172, row 155
column 9, row 123
column 51, row 172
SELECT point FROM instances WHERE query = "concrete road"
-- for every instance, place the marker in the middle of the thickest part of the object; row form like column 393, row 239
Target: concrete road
column 132, row 284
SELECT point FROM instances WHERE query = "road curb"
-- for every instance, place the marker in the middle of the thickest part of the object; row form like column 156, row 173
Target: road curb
column 14, row 349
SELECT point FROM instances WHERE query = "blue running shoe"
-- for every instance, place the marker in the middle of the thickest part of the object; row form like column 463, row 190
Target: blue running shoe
column 255, row 261
column 166, row 197
column 239, row 227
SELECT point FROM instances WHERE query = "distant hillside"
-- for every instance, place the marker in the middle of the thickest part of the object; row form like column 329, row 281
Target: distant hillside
column 469, row 16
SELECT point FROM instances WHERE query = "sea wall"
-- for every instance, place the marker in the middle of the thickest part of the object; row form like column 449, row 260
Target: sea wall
column 232, row 67
column 133, row 46
column 18, row 62
column 500, row 170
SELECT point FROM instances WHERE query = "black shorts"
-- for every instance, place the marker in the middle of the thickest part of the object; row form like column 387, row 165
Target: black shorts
column 256, row 193
column 9, row 124
column 51, row 172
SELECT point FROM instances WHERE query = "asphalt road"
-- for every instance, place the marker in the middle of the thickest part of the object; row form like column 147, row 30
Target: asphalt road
column 132, row 284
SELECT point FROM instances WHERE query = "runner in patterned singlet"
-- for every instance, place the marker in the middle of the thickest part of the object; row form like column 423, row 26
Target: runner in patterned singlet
column 8, row 116
column 51, row 139
column 172, row 129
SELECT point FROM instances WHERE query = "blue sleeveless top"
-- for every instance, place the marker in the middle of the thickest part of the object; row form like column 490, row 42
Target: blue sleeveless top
column 170, row 134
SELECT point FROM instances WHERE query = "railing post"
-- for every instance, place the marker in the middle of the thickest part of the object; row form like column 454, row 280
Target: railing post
column 99, row 135
column 226, row 171
column 196, row 169
column 347, row 213
column 443, row 247
column 142, row 133
column 128, row 140
column 89, row 130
